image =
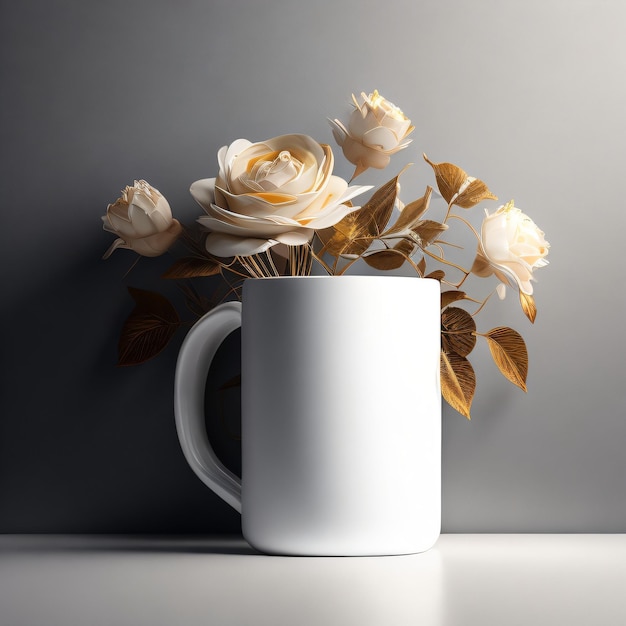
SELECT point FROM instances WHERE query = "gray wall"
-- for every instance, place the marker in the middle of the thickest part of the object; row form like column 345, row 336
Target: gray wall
column 528, row 95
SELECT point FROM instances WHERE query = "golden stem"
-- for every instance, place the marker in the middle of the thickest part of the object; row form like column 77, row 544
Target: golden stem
column 271, row 263
column 450, row 205
column 329, row 271
column 462, row 219
column 258, row 261
column 347, row 266
column 248, row 264
column 130, row 269
column 462, row 280
column 442, row 260
column 298, row 260
column 302, row 259
column 480, row 308
column 239, row 259
column 232, row 288
column 291, row 260
column 415, row 267
column 233, row 271
column 308, row 259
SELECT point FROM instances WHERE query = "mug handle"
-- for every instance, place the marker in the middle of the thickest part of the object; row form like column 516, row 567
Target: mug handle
column 192, row 368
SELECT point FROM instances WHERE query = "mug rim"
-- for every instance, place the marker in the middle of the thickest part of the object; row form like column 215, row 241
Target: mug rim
column 343, row 277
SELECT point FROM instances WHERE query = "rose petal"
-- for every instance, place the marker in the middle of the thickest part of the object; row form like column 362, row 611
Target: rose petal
column 118, row 243
column 227, row 156
column 266, row 199
column 296, row 237
column 358, row 153
column 260, row 205
column 302, row 147
column 332, row 217
column 325, row 201
column 340, row 132
column 130, row 222
column 222, row 245
column 382, row 138
column 140, row 224
column 336, row 209
column 358, row 124
column 203, row 192
column 157, row 244
column 284, row 221
column 144, row 200
column 495, row 237
column 400, row 127
column 146, row 224
column 254, row 228
column 515, row 274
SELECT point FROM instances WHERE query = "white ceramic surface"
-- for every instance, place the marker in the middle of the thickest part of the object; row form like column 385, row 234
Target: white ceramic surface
column 341, row 413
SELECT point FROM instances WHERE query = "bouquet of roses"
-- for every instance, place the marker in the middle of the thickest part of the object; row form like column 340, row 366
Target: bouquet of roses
column 276, row 208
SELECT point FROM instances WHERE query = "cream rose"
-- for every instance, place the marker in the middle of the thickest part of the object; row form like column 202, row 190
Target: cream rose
column 512, row 247
column 376, row 130
column 276, row 191
column 143, row 221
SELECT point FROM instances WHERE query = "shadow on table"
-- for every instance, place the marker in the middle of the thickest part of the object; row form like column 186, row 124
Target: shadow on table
column 126, row 543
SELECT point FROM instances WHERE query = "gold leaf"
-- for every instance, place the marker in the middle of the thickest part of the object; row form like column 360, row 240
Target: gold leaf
column 356, row 231
column 390, row 259
column 481, row 266
column 376, row 212
column 509, row 354
column 421, row 266
column 406, row 247
column 449, row 178
column 342, row 238
column 148, row 329
column 528, row 306
column 411, row 213
column 475, row 192
column 428, row 231
column 437, row 275
column 458, row 382
column 196, row 303
column 193, row 267
column 458, row 330
column 448, row 297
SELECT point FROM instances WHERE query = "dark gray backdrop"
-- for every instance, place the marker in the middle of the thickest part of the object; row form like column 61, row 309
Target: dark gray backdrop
column 529, row 95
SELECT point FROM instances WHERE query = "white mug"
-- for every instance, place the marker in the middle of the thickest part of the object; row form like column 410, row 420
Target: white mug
column 341, row 413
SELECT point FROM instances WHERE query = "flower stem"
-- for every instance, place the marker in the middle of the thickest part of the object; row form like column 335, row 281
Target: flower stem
column 480, row 308
column 450, row 205
column 347, row 266
column 444, row 261
column 132, row 267
column 415, row 266
column 271, row 264
column 462, row 219
column 330, row 271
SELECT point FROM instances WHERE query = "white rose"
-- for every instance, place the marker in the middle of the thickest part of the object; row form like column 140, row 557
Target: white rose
column 512, row 247
column 142, row 219
column 376, row 130
column 276, row 191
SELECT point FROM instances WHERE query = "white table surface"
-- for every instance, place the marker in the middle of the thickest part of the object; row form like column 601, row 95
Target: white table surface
column 464, row 580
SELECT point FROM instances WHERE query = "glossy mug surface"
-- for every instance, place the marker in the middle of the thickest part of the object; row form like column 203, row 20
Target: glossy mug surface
column 341, row 413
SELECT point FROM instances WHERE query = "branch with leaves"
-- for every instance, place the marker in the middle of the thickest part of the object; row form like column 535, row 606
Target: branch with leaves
column 275, row 209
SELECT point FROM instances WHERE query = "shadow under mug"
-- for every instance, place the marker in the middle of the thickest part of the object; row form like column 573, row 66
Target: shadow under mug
column 341, row 413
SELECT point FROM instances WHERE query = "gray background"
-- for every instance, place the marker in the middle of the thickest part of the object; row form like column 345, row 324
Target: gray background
column 529, row 96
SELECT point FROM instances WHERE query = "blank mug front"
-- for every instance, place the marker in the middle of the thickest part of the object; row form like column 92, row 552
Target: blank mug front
column 341, row 415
